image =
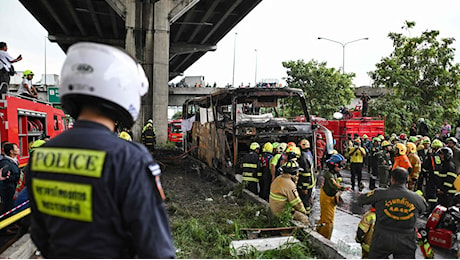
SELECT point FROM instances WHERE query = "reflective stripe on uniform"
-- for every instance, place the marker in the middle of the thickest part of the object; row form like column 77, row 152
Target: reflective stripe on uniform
column 251, row 179
column 277, row 197
column 452, row 174
column 365, row 247
column 306, row 174
column 249, row 165
column 295, row 201
column 452, row 191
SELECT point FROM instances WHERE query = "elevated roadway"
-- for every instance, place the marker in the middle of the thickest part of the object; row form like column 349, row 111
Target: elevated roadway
column 166, row 36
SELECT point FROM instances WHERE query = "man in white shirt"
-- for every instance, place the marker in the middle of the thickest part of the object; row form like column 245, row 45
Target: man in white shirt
column 5, row 65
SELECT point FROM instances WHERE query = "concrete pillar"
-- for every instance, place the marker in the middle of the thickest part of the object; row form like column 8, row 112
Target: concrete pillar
column 161, row 70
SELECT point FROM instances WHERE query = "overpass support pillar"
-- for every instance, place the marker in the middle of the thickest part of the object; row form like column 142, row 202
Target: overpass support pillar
column 161, row 70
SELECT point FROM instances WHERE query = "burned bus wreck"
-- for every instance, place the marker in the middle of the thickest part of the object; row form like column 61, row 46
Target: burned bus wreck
column 221, row 125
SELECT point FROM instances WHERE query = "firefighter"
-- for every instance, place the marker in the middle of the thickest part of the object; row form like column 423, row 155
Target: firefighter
column 307, row 178
column 416, row 166
column 423, row 153
column 266, row 178
column 148, row 136
column 320, row 148
column 357, row 154
column 397, row 210
column 249, row 168
column 384, row 164
column 452, row 144
column 283, row 191
column 365, row 231
column 432, row 165
column 401, row 159
column 109, row 201
column 330, row 194
column 373, row 165
column 448, row 175
column 278, row 159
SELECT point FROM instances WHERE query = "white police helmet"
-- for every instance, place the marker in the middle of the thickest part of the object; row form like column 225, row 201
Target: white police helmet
column 103, row 76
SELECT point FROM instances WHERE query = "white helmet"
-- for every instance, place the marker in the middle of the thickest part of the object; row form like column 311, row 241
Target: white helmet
column 100, row 74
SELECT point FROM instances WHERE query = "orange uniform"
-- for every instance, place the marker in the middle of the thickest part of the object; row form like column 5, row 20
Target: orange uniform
column 402, row 161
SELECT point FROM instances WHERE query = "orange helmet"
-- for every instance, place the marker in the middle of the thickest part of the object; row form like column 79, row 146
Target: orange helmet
column 291, row 144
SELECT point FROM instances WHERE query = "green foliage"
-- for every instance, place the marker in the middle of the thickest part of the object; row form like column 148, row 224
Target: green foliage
column 422, row 81
column 325, row 89
column 177, row 115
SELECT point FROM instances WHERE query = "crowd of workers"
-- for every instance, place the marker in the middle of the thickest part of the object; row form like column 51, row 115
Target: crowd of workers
column 420, row 171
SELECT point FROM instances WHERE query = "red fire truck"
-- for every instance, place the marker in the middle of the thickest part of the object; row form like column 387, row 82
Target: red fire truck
column 25, row 120
column 355, row 124
column 174, row 131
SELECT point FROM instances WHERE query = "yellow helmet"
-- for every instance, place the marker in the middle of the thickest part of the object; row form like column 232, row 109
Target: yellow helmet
column 290, row 149
column 411, row 148
column 385, row 143
column 268, row 147
column 297, row 151
column 254, row 146
column 304, row 143
column 125, row 136
column 400, row 149
column 365, row 136
column 436, row 144
column 426, row 140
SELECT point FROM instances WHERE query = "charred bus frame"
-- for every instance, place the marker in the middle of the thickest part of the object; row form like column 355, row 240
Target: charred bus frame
column 219, row 127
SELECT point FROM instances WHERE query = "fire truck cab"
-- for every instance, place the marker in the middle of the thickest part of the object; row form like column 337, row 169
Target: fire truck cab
column 174, row 131
column 25, row 120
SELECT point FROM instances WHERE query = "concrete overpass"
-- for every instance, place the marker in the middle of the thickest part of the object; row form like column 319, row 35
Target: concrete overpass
column 166, row 36
column 177, row 96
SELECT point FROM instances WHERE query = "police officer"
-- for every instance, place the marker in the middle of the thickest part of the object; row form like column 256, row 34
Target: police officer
column 93, row 194
column 397, row 209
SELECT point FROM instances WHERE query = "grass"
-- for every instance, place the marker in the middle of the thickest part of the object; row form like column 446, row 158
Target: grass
column 208, row 235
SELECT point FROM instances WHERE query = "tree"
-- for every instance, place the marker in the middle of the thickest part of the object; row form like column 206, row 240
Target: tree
column 177, row 115
column 325, row 89
column 421, row 79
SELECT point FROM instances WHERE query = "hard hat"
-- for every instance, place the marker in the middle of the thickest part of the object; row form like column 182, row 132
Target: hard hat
column 385, row 143
column 337, row 160
column 381, row 137
column 297, row 152
column 426, row 140
column 413, row 139
column 254, row 146
column 436, row 143
column 150, row 121
column 393, row 135
column 411, row 147
column 275, row 145
column 282, row 147
column 447, row 152
column 452, row 139
column 291, row 144
column 27, row 73
column 358, row 140
column 304, row 144
column 268, row 147
column 103, row 76
column 290, row 167
column 400, row 149
column 376, row 139
column 290, row 150
column 421, row 120
column 124, row 135
column 403, row 136
column 365, row 136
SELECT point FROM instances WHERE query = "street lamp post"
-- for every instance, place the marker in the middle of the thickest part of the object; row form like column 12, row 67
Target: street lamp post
column 234, row 51
column 255, row 74
column 343, row 48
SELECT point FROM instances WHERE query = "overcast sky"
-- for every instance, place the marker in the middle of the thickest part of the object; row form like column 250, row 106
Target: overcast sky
column 280, row 30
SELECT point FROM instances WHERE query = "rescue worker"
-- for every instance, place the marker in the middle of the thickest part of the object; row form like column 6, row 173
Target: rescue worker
column 416, row 166
column 448, row 175
column 373, row 165
column 109, row 203
column 278, row 159
column 357, row 154
column 330, row 195
column 365, row 231
column 397, row 210
column 452, row 144
column 346, row 145
column 249, row 167
column 26, row 89
column 307, row 179
column 148, row 136
column 320, row 148
column 401, row 159
column 432, row 165
column 283, row 191
column 423, row 154
column 384, row 164
column 266, row 178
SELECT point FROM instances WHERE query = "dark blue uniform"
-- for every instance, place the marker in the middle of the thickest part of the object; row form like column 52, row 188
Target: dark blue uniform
column 94, row 195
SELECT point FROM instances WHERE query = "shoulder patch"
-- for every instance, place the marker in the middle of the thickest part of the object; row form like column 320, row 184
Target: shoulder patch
column 155, row 170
